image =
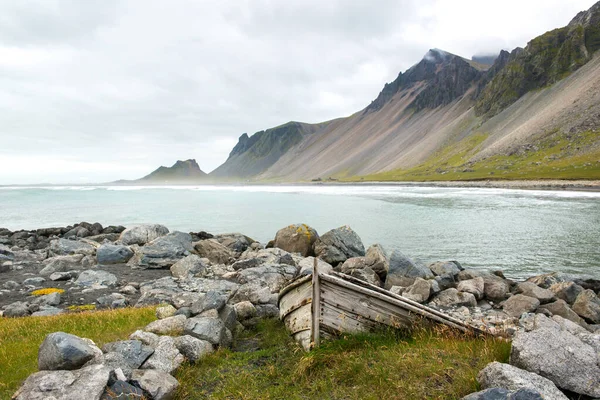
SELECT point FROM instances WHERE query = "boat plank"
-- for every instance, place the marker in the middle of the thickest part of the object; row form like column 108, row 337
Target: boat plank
column 336, row 321
column 295, row 298
column 299, row 319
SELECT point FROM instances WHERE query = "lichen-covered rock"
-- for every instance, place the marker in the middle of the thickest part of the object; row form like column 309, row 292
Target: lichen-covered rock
column 160, row 385
column 63, row 351
column 587, row 305
column 339, row 244
column 559, row 356
column 167, row 325
column 519, row 304
column 142, row 234
column 403, row 271
column 298, row 238
column 166, row 357
column 193, row 348
column 244, row 310
column 506, row 376
column 84, row 384
column 165, row 311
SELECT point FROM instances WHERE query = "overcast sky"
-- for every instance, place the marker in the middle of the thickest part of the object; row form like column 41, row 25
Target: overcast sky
column 98, row 90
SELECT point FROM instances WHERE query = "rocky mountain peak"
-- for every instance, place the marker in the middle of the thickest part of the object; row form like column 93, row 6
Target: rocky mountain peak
column 588, row 17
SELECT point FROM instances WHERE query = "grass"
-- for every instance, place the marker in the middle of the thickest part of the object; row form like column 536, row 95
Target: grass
column 20, row 338
column 385, row 365
column 554, row 156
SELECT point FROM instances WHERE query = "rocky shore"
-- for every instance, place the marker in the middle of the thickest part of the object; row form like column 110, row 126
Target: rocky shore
column 208, row 287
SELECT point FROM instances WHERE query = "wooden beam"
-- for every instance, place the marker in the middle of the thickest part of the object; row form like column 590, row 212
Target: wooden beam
column 316, row 307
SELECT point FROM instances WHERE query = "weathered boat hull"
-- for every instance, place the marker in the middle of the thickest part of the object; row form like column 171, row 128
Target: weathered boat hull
column 327, row 305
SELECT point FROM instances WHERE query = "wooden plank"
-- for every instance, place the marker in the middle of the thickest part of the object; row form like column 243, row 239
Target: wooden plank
column 294, row 298
column 399, row 303
column 336, row 321
column 299, row 319
column 294, row 284
column 316, row 306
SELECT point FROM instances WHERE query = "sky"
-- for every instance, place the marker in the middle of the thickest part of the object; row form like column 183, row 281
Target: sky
column 100, row 90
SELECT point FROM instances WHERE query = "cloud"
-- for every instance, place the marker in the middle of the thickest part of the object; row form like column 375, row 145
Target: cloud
column 105, row 89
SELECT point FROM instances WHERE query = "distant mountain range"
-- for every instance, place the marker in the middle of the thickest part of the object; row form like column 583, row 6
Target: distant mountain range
column 182, row 172
column 529, row 114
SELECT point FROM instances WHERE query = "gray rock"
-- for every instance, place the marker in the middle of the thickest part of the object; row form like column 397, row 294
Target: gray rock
column 160, row 385
column 506, row 376
column 339, row 244
column 452, row 297
column 63, row 247
column 113, row 300
column 165, row 311
column 440, row 268
column 474, row 286
column 245, row 310
column 47, row 312
column 212, row 300
column 38, row 280
column 62, row 264
column 10, row 285
column 403, row 271
column 192, row 348
column 366, row 274
column 147, row 338
column 275, row 276
column 214, row 251
column 209, row 329
column 85, row 384
column 129, row 290
column 495, row 288
column 134, row 351
column 418, row 291
column 519, row 304
column 377, row 258
column 235, row 242
column 167, row 326
column 587, row 306
column 559, row 356
column 16, row 309
column 142, row 234
column 113, row 360
column 163, row 252
column 445, row 281
column 532, row 290
column 96, row 277
column 51, row 299
column 561, row 308
column 503, row 394
column 166, row 357
column 298, row 238
column 267, row 311
column 61, row 350
column 567, row 291
column 229, row 317
column 547, row 280
column 64, row 276
column 185, row 311
column 253, row 292
column 307, row 264
column 123, row 390
column 189, row 266
column 113, row 254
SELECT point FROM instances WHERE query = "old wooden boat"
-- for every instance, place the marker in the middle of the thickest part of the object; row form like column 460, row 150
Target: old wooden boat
column 327, row 305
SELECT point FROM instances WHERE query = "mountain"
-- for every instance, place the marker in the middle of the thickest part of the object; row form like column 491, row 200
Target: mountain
column 534, row 113
column 181, row 172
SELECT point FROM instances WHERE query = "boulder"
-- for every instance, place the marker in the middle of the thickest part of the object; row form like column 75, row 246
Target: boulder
column 134, row 351
column 64, row 276
column 532, row 290
column 452, row 297
column 339, row 244
column 163, row 252
column 212, row 300
column 377, row 258
column 419, row 291
column 63, row 351
column 113, row 254
column 244, row 310
column 209, row 329
column 123, row 390
column 147, row 338
column 114, row 361
column 142, row 234
column 214, row 251
column 16, row 309
column 192, row 348
column 166, row 357
column 519, row 304
column 474, row 286
column 189, row 266
column 567, row 291
column 445, row 281
column 63, row 247
column 307, row 264
column 275, row 276
column 440, row 268
column 298, row 238
column 36, row 281
column 587, row 306
column 495, row 288
column 113, row 300
column 235, row 242
column 504, row 394
column 47, row 311
column 506, row 376
column 561, row 308
column 85, row 384
column 96, row 277
column 559, row 356
column 62, row 264
column 403, row 271
column 160, row 385
column 167, row 326
column 165, row 311
column 50, row 299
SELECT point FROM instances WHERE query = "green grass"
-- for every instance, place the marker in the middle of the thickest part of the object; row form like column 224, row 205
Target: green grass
column 386, row 365
column 20, row 338
column 555, row 156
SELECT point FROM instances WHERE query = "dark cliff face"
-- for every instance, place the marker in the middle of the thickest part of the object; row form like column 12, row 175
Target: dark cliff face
column 544, row 61
column 187, row 170
column 446, row 76
column 254, row 154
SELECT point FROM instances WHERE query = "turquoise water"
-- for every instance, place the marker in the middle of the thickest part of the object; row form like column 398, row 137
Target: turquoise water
column 521, row 232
